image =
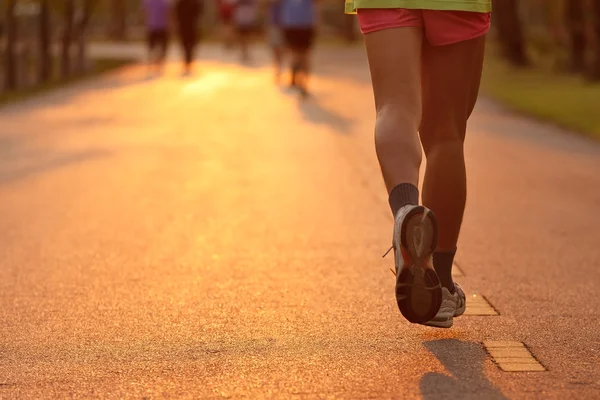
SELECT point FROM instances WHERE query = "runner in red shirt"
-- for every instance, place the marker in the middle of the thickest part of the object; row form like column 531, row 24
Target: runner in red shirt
column 226, row 8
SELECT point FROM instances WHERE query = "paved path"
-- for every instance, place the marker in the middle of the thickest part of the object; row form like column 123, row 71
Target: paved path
column 212, row 237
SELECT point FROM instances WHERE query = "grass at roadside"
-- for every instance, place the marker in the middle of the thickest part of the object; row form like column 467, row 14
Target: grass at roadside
column 100, row 66
column 567, row 101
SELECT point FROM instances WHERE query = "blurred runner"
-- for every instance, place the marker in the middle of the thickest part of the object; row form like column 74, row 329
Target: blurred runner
column 157, row 22
column 226, row 8
column 245, row 16
column 188, row 13
column 298, row 21
column 426, row 58
column 275, row 36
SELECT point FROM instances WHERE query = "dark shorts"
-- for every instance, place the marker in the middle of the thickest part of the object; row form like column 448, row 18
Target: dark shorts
column 158, row 38
column 245, row 30
column 299, row 39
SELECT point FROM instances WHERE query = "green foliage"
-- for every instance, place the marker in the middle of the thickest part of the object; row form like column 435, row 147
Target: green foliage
column 566, row 100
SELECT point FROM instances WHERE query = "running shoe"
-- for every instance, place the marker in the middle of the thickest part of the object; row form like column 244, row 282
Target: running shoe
column 453, row 305
column 418, row 288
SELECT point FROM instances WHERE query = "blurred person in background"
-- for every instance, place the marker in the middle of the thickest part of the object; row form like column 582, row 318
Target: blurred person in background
column 275, row 36
column 226, row 8
column 188, row 14
column 426, row 59
column 299, row 22
column 157, row 15
column 245, row 17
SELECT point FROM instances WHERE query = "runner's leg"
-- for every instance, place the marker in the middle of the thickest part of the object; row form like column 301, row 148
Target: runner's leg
column 275, row 42
column 151, row 49
column 306, row 58
column 163, row 49
column 395, row 63
column 450, row 81
column 394, row 53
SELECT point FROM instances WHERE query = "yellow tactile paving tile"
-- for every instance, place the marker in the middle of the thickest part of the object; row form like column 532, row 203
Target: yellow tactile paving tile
column 522, row 367
column 502, row 343
column 512, row 356
column 477, row 305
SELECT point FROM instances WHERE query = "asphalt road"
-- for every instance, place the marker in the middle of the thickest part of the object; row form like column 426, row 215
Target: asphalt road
column 213, row 237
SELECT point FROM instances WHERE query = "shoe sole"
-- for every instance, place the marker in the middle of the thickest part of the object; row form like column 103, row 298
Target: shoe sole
column 440, row 324
column 447, row 323
column 418, row 288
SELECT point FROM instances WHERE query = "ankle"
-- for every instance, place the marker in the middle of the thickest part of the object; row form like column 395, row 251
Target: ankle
column 402, row 195
column 442, row 263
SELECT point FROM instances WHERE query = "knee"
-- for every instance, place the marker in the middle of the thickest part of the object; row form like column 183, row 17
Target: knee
column 396, row 123
column 396, row 130
column 444, row 132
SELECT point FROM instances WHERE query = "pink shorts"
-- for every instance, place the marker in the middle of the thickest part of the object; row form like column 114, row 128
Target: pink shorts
column 440, row 27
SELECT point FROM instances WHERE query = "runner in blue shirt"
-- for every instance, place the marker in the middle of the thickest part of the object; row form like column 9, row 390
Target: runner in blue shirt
column 299, row 21
column 157, row 20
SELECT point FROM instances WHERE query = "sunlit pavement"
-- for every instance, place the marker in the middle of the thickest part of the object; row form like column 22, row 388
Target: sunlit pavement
column 214, row 237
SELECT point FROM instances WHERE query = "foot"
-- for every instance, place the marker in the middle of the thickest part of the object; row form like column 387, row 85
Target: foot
column 291, row 88
column 418, row 288
column 303, row 93
column 453, row 305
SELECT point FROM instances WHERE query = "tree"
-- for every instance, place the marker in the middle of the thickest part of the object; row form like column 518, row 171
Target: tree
column 350, row 28
column 118, row 24
column 576, row 28
column 67, row 37
column 81, row 25
column 11, row 39
column 45, row 41
column 510, row 32
column 595, row 71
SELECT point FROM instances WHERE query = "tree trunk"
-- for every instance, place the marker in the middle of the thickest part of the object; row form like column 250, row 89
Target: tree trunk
column 119, row 20
column 575, row 18
column 510, row 32
column 82, row 24
column 45, row 43
column 67, row 38
column 350, row 28
column 10, row 68
column 595, row 72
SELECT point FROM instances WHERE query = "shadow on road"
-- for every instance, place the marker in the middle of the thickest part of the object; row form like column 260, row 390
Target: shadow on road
column 126, row 77
column 20, row 162
column 313, row 111
column 464, row 362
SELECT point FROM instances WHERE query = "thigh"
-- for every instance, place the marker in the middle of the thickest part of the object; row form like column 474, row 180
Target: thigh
column 450, row 80
column 303, row 40
column 188, row 34
column 275, row 36
column 309, row 38
column 395, row 63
